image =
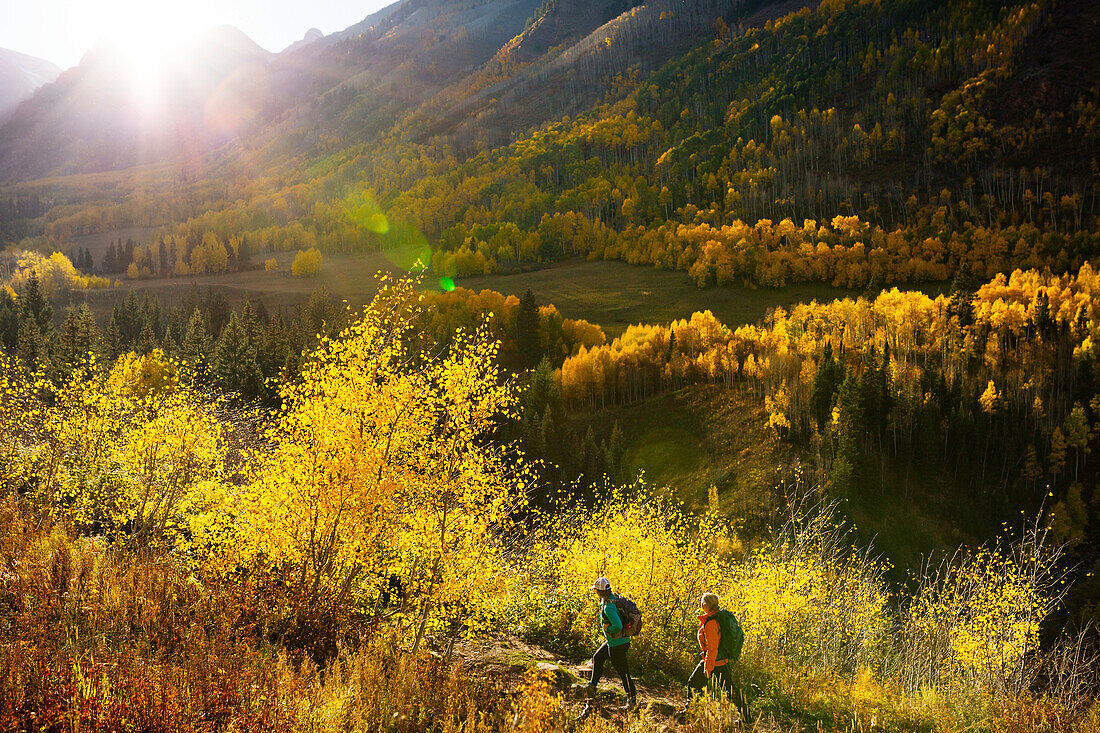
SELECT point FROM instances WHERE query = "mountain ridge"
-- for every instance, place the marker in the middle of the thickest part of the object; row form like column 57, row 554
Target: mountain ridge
column 20, row 75
column 408, row 53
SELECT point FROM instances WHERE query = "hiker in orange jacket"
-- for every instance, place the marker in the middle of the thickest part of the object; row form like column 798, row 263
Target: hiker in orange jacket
column 710, row 670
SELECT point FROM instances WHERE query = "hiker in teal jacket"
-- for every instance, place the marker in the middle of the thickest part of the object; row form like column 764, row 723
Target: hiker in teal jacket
column 616, row 645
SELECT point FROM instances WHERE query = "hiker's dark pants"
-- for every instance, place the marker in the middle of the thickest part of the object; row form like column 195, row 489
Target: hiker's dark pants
column 617, row 655
column 720, row 679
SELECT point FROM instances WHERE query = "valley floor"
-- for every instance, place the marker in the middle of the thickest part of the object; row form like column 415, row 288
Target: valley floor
column 611, row 294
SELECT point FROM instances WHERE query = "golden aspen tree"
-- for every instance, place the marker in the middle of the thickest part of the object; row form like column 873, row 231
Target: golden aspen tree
column 377, row 468
column 20, row 413
column 132, row 449
column 307, row 263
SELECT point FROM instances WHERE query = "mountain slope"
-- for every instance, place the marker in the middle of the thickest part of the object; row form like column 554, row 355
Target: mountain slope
column 112, row 111
column 477, row 72
column 740, row 140
column 893, row 112
column 20, row 75
column 572, row 57
column 311, row 36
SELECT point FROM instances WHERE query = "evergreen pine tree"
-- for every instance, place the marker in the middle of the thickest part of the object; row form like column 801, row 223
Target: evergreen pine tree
column 127, row 318
column 34, row 305
column 274, row 347
column 528, row 349
column 847, row 469
column 825, row 384
column 234, row 367
column 113, row 342
column 320, row 317
column 152, row 315
column 962, row 295
column 251, row 325
column 175, row 327
column 593, row 459
column 31, row 346
column 614, row 454
column 218, row 310
column 547, row 440
column 147, row 341
column 196, row 347
column 1041, row 317
column 874, row 392
column 170, row 347
column 79, row 337
column 192, row 301
column 9, row 320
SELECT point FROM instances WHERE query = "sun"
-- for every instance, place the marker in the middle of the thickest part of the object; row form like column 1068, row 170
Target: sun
column 148, row 38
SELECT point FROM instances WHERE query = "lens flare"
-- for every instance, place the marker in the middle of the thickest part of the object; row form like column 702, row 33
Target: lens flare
column 362, row 210
column 447, row 284
column 405, row 247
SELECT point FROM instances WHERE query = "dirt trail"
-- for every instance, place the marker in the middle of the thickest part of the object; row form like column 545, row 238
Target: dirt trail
column 508, row 659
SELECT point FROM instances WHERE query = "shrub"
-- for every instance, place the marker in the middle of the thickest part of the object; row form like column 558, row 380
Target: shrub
column 650, row 551
column 379, row 686
column 98, row 640
column 131, row 451
column 973, row 624
column 807, row 600
column 823, row 635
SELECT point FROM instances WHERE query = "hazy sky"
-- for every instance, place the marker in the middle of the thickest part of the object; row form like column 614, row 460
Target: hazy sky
column 62, row 30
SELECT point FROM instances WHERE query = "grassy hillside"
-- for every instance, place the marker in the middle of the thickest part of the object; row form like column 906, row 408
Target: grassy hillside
column 704, row 436
column 616, row 295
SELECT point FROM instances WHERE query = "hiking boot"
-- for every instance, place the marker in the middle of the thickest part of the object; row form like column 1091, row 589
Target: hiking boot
column 584, row 690
column 630, row 704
